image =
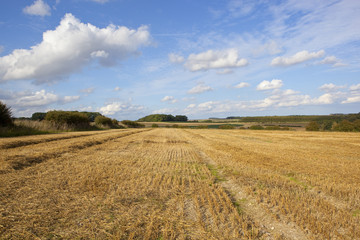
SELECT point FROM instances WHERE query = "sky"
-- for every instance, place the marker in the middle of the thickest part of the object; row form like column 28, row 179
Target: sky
column 131, row 58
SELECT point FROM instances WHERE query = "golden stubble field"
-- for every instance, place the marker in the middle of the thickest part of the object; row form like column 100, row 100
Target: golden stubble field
column 181, row 184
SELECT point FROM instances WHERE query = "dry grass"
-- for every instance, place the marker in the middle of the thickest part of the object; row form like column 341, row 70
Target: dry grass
column 180, row 184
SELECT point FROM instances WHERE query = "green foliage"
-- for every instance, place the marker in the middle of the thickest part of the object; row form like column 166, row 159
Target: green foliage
column 202, row 126
column 226, row 126
column 256, row 127
column 69, row 118
column 5, row 115
column 154, row 125
column 181, row 118
column 92, row 115
column 345, row 126
column 327, row 125
column 276, row 128
column 15, row 131
column 132, row 124
column 38, row 116
column 102, row 120
column 163, row 118
column 313, row 126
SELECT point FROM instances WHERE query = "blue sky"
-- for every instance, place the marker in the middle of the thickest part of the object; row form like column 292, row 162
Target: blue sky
column 130, row 58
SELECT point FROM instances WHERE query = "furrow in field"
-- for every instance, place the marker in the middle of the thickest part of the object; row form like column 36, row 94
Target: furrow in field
column 316, row 191
column 32, row 140
column 27, row 156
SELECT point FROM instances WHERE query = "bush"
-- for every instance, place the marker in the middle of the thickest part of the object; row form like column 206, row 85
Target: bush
column 345, row 126
column 75, row 119
column 202, row 127
column 5, row 116
column 226, row 126
column 104, row 121
column 132, row 124
column 313, row 126
column 154, row 125
column 256, row 127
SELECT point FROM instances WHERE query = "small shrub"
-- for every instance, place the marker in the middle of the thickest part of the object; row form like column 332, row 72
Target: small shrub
column 313, row 126
column 175, row 126
column 132, row 124
column 256, row 127
column 5, row 115
column 70, row 119
column 202, row 127
column 103, row 121
column 226, row 126
column 154, row 125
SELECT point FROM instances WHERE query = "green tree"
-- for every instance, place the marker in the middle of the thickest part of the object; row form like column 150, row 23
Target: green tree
column 345, row 126
column 313, row 126
column 38, row 116
column 5, row 115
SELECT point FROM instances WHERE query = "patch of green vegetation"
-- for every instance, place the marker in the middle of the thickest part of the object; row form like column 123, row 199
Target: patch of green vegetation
column 356, row 213
column 16, row 131
column 214, row 171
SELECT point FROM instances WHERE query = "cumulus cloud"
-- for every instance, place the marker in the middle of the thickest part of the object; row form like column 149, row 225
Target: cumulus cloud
column 299, row 57
column 116, row 89
column 354, row 94
column 119, row 107
column 352, row 99
column 71, row 46
column 200, row 88
column 267, row 85
column 335, row 62
column 31, row 101
column 170, row 99
column 211, row 59
column 355, row 87
column 39, row 8
column 174, row 58
column 329, row 87
column 242, row 85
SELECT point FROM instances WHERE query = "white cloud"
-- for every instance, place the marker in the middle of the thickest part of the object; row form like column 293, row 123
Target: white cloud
column 174, row 58
column 332, row 60
column 242, row 85
column 329, row 87
column 28, row 101
column 71, row 46
column 267, row 85
column 68, row 99
column 170, row 99
column 200, row 88
column 355, row 87
column 299, row 57
column 119, row 107
column 116, row 89
column 87, row 90
column 214, row 60
column 354, row 95
column 39, row 8
column 352, row 99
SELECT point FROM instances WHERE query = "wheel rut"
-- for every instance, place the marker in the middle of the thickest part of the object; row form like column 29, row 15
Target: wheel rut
column 273, row 229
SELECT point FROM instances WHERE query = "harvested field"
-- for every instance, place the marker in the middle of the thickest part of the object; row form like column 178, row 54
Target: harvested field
column 181, row 184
